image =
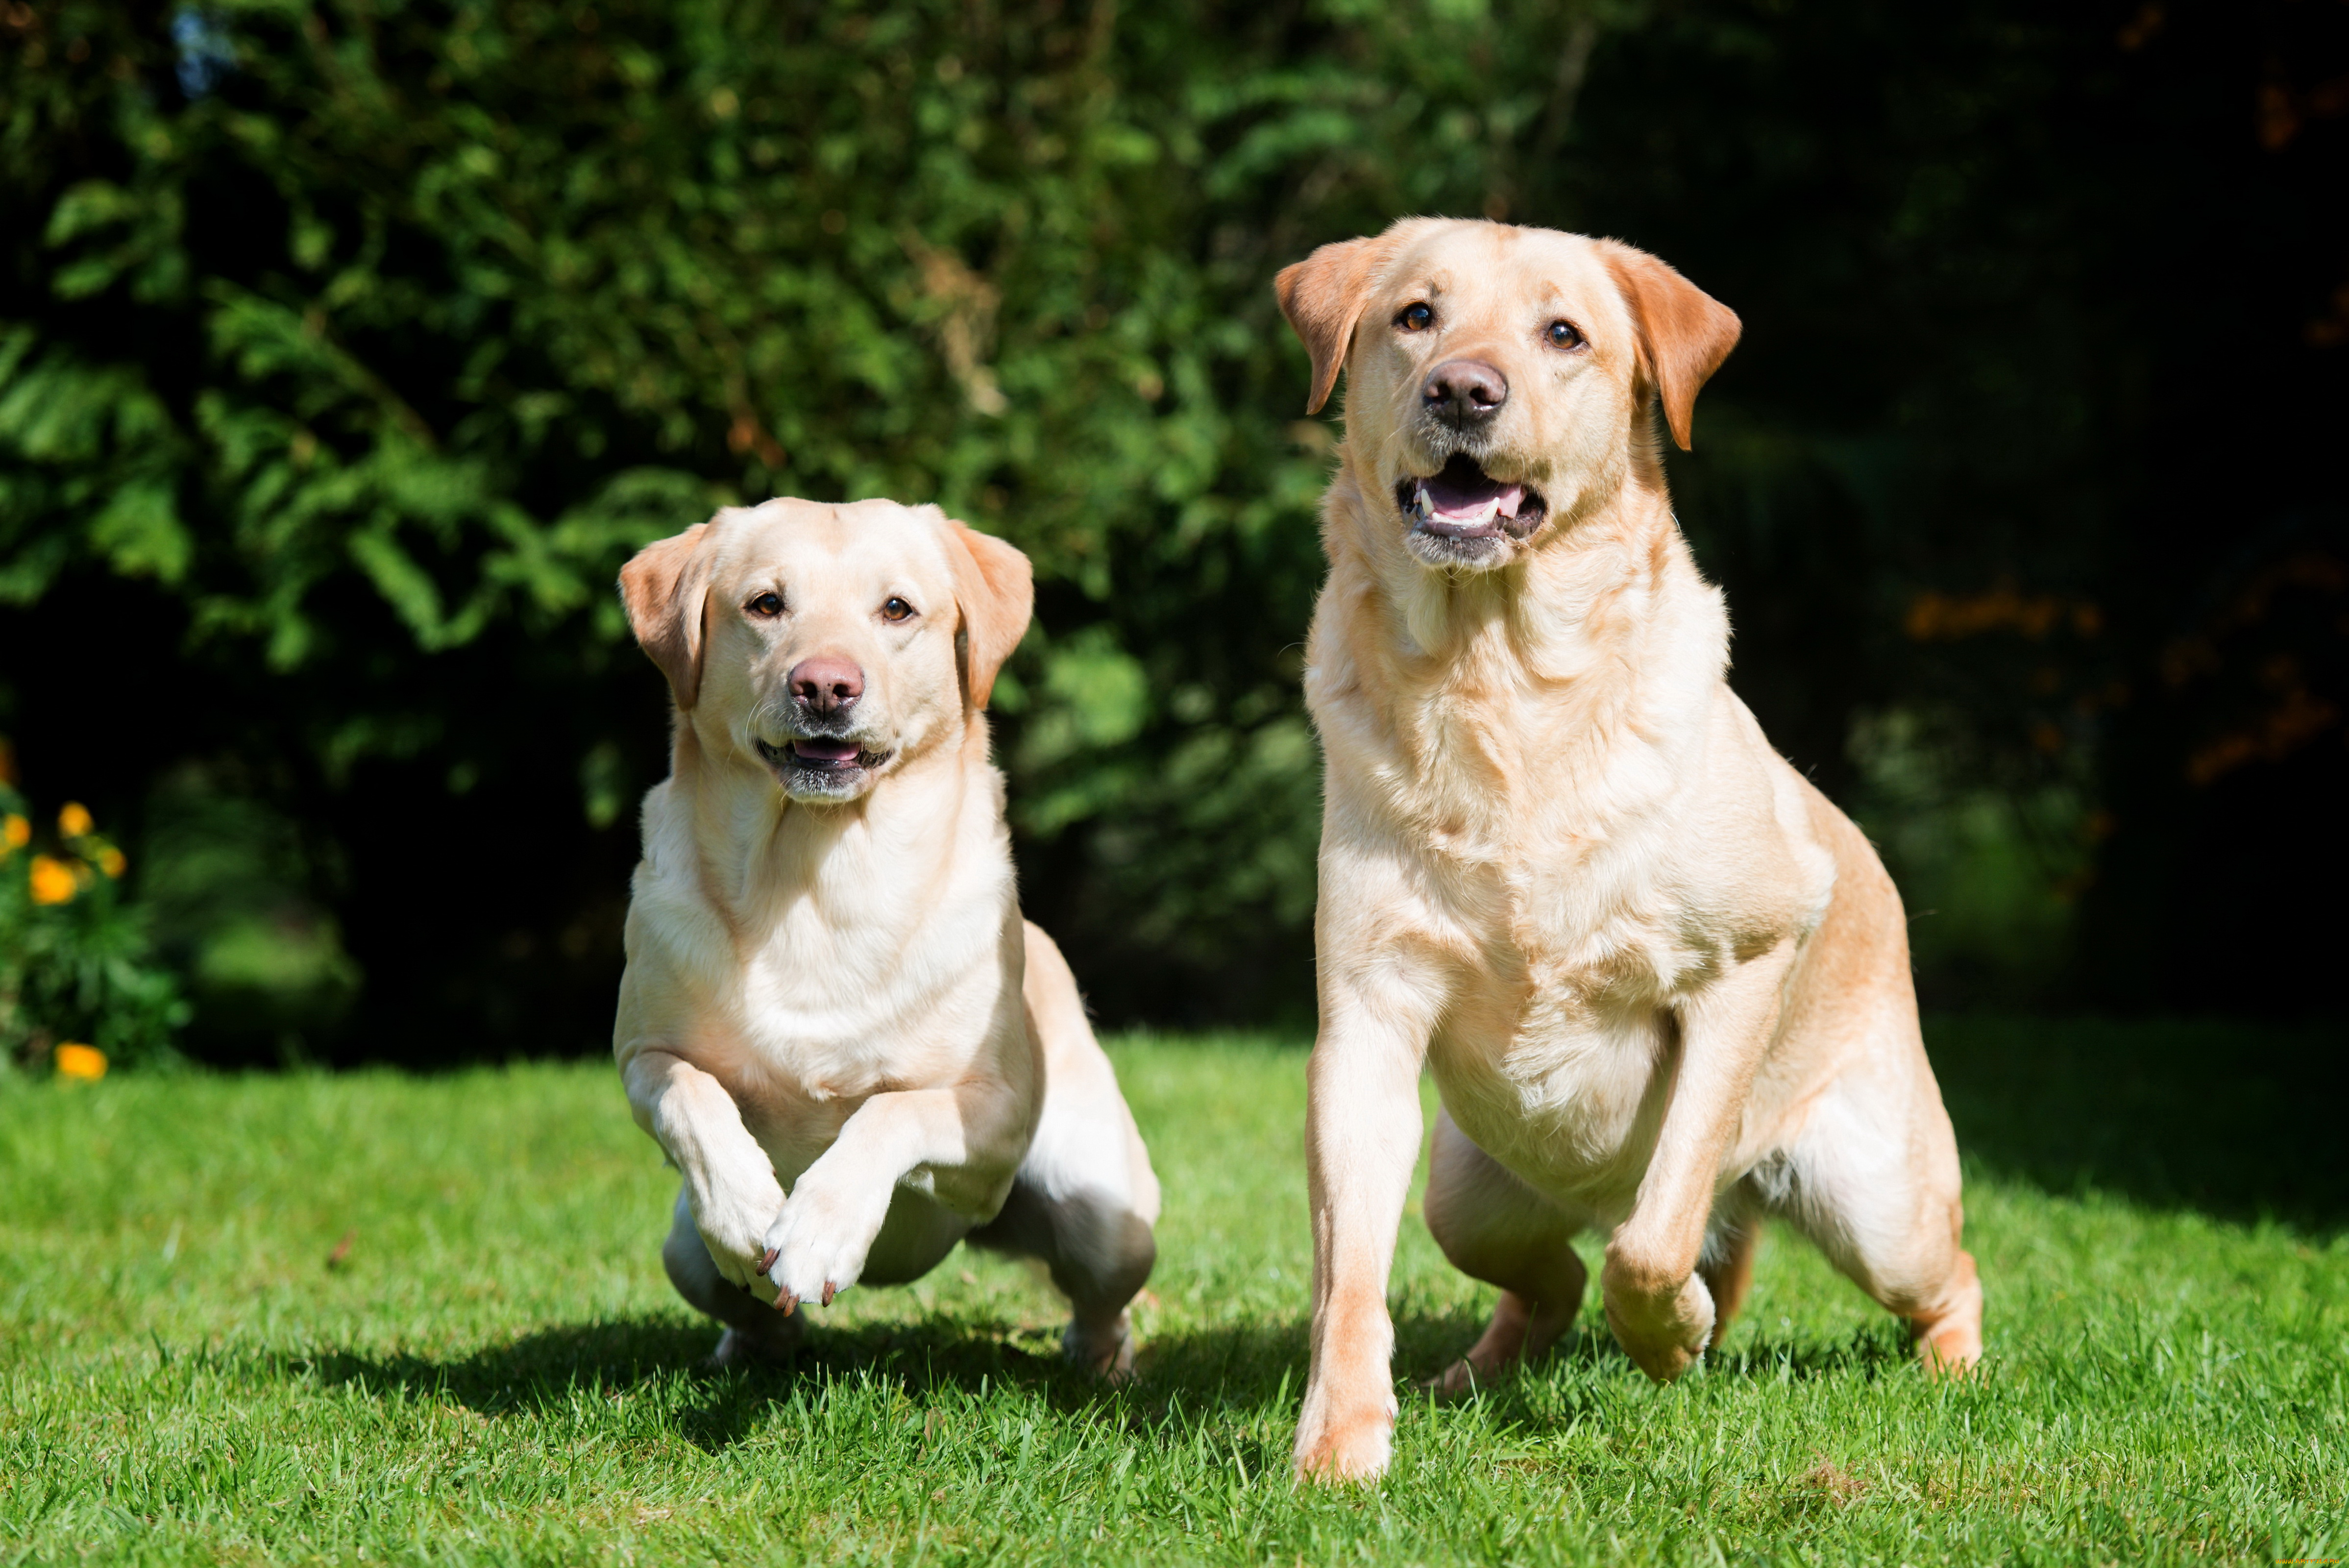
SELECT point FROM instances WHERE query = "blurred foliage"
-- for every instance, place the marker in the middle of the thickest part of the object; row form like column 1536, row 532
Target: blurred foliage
column 225, row 885
column 1990, row 858
column 77, row 970
column 348, row 347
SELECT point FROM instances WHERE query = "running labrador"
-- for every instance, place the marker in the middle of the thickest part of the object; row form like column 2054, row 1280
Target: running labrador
column 1661, row 982
column 835, row 1021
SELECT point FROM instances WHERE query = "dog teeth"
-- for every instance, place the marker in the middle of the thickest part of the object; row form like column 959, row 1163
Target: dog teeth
column 1423, row 505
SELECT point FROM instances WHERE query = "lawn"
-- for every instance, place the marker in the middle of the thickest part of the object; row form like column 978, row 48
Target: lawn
column 421, row 1319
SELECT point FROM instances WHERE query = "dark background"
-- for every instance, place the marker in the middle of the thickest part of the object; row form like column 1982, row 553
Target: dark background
column 344, row 353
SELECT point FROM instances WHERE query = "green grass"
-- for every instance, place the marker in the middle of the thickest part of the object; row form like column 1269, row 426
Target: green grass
column 194, row 1368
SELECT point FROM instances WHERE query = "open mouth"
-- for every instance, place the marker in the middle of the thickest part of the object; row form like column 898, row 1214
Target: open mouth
column 1463, row 502
column 816, row 754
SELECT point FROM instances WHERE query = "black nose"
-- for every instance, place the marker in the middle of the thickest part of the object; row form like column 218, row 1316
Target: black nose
column 1461, row 392
column 827, row 683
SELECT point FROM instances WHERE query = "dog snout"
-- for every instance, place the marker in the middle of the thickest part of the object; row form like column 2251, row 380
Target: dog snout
column 1464, row 391
column 827, row 684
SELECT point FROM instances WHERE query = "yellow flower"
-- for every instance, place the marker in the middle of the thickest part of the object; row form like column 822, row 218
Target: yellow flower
column 110, row 861
column 73, row 819
column 53, row 880
column 87, row 1063
column 15, row 832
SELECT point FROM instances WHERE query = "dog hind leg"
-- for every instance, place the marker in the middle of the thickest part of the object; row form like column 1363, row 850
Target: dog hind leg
column 1099, row 1252
column 1873, row 1181
column 1497, row 1228
column 1085, row 1197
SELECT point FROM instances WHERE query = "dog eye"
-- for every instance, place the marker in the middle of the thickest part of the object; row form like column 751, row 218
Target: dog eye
column 1415, row 317
column 1562, row 335
column 896, row 609
column 766, row 606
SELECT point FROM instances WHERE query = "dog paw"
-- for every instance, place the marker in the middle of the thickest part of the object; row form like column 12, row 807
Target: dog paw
column 1358, row 1452
column 743, row 1348
column 1948, row 1337
column 817, row 1245
column 1663, row 1331
column 733, row 1223
column 1458, row 1381
column 1106, row 1349
column 1336, row 1447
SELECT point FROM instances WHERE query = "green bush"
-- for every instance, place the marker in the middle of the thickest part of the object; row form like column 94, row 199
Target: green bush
column 349, row 345
column 371, row 336
column 76, row 966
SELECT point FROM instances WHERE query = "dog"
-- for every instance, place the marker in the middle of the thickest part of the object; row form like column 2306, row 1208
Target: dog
column 834, row 1019
column 1661, row 982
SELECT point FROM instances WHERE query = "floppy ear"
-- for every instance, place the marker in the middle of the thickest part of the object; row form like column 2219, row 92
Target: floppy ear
column 1323, row 296
column 1685, row 332
column 995, row 589
column 664, row 585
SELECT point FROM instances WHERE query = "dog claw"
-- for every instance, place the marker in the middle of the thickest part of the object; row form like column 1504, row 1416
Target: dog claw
column 785, row 1302
column 830, row 1289
column 768, row 1261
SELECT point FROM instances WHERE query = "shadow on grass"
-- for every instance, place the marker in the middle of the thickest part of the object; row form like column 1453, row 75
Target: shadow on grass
column 1184, row 1377
column 2232, row 1120
column 550, row 1370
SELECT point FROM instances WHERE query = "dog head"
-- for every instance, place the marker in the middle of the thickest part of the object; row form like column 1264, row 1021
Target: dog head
column 829, row 645
column 1499, row 377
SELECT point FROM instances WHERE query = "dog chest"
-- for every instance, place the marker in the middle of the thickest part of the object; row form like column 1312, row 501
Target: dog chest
column 1555, row 1053
column 1569, row 1097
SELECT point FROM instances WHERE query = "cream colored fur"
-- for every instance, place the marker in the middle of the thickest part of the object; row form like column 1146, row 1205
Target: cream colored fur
column 1661, row 982
column 834, row 1019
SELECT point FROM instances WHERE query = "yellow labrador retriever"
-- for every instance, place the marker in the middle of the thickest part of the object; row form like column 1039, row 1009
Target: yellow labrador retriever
column 1661, row 982
column 834, row 1019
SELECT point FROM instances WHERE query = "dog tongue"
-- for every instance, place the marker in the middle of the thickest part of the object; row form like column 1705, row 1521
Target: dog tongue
column 1464, row 492
column 826, row 751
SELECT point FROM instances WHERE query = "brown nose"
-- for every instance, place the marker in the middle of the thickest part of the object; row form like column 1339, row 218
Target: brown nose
column 827, row 683
column 1461, row 391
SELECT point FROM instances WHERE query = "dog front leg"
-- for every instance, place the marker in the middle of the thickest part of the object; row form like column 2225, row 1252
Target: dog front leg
column 1361, row 1139
column 959, row 1145
column 1661, row 1311
column 729, row 1184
